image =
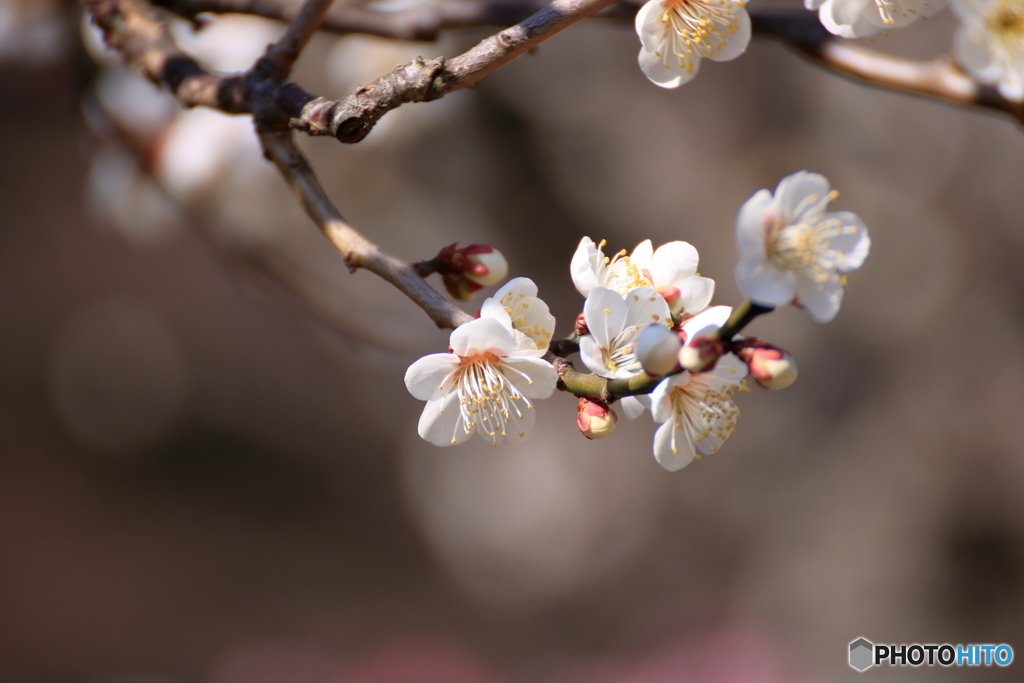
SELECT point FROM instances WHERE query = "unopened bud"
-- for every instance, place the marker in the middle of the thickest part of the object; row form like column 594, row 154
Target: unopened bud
column 701, row 353
column 657, row 349
column 580, row 326
column 595, row 420
column 469, row 269
column 770, row 366
column 670, row 294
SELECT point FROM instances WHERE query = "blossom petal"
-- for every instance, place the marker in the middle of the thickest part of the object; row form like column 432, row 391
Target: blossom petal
column 972, row 49
column 515, row 287
column 632, row 407
column 735, row 43
column 729, row 370
column 802, row 196
column 592, row 356
column 605, row 313
column 533, row 377
column 756, row 216
column 649, row 25
column 695, row 294
column 969, row 9
column 672, row 262
column 641, row 256
column 853, row 244
column 716, row 316
column 672, row 453
column 582, row 266
column 661, row 397
column 821, row 300
column 765, row 284
column 483, row 334
column 1011, row 85
column 492, row 308
column 430, row 377
column 657, row 68
column 519, row 426
column 644, row 306
column 854, row 9
column 441, row 422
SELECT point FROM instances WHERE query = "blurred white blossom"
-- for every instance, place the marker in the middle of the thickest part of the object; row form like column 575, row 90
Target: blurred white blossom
column 990, row 43
column 229, row 43
column 861, row 18
column 792, row 251
column 676, row 34
column 696, row 410
column 484, row 385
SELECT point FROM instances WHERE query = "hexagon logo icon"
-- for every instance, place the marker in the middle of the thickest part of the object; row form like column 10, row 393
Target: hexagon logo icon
column 861, row 654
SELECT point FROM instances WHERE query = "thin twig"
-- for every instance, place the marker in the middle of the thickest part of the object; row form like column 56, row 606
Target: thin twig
column 285, row 52
column 356, row 250
column 352, row 118
column 422, row 23
column 800, row 30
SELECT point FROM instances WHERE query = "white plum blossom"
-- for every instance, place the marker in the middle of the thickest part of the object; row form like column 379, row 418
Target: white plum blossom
column 990, row 43
column 671, row 270
column 862, row 18
column 485, row 384
column 792, row 251
column 676, row 34
column 614, row 322
column 531, row 320
column 696, row 410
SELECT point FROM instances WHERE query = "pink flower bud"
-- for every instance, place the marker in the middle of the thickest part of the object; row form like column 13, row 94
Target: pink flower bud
column 657, row 349
column 469, row 269
column 595, row 420
column 670, row 294
column 770, row 366
column 580, row 326
column 701, row 353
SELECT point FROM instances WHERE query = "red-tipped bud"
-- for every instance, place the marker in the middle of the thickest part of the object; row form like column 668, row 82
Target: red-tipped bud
column 669, row 293
column 701, row 353
column 469, row 269
column 580, row 327
column 657, row 349
column 595, row 420
column 770, row 366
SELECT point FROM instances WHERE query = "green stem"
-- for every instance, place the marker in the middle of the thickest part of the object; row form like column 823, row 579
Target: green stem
column 740, row 318
column 592, row 386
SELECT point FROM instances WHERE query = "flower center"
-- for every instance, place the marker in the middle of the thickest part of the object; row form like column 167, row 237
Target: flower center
column 704, row 413
column 698, row 27
column 488, row 401
column 1007, row 21
column 807, row 246
column 622, row 274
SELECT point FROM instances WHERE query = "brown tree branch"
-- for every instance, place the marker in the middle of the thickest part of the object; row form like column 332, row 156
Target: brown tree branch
column 424, row 23
column 352, row 118
column 356, row 250
column 936, row 79
column 285, row 52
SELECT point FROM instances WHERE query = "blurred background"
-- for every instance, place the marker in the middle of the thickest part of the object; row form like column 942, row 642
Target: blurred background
column 209, row 467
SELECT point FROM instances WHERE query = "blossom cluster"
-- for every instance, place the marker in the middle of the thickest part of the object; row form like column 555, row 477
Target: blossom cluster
column 647, row 331
column 676, row 34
